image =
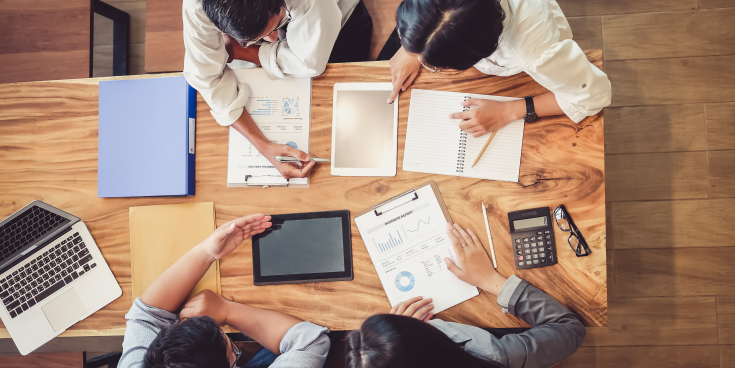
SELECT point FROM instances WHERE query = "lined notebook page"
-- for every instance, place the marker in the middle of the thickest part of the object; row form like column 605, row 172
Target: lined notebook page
column 434, row 143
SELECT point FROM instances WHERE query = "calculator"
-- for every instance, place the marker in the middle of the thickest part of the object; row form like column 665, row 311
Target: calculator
column 532, row 236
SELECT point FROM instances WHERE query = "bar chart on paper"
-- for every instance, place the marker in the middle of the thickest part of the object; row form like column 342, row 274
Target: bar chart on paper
column 391, row 242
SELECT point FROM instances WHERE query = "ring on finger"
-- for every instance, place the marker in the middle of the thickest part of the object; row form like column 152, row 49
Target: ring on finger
column 464, row 245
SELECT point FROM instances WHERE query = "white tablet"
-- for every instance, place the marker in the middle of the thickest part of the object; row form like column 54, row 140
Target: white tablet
column 364, row 130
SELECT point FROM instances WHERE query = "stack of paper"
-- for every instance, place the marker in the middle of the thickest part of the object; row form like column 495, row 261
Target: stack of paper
column 160, row 235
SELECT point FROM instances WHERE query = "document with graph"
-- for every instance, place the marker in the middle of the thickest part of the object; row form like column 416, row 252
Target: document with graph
column 282, row 110
column 436, row 145
column 407, row 242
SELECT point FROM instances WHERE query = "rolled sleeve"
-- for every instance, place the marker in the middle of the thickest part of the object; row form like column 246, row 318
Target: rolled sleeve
column 304, row 345
column 205, row 66
column 580, row 88
column 509, row 294
column 143, row 325
column 309, row 42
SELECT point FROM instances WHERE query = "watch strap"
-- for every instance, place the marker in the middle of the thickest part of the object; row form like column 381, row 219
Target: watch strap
column 530, row 110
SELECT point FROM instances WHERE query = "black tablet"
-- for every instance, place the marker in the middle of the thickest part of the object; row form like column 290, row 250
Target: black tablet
column 304, row 247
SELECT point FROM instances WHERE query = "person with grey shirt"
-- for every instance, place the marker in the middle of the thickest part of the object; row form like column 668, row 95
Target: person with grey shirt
column 158, row 337
column 408, row 338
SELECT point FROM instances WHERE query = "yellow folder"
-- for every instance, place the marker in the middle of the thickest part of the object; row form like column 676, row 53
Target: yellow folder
column 160, row 235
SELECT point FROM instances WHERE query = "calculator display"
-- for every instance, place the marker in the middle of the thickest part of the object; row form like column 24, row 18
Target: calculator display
column 529, row 223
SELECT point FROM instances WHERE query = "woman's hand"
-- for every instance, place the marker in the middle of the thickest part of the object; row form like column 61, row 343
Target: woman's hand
column 228, row 236
column 207, row 303
column 475, row 266
column 416, row 307
column 289, row 169
column 489, row 115
column 403, row 69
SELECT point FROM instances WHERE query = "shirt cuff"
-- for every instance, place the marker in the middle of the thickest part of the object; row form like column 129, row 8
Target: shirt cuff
column 302, row 335
column 509, row 294
column 268, row 59
column 573, row 111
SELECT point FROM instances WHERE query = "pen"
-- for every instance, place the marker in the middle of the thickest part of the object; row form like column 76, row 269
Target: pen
column 489, row 239
column 294, row 159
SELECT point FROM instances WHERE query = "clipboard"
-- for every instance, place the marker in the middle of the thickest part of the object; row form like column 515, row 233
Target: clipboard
column 407, row 197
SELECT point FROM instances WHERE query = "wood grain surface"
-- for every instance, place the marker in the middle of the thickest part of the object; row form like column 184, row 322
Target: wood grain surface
column 48, row 151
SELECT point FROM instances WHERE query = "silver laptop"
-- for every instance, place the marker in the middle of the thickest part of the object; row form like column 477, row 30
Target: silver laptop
column 52, row 274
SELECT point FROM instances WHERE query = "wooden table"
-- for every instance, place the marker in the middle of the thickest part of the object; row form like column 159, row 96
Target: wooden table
column 48, row 151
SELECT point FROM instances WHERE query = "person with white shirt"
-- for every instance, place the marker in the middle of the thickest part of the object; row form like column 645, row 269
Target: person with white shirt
column 502, row 38
column 288, row 38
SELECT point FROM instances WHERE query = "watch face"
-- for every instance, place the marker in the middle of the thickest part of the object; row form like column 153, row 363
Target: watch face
column 530, row 117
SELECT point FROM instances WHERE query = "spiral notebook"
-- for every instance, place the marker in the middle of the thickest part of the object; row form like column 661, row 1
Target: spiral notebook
column 436, row 145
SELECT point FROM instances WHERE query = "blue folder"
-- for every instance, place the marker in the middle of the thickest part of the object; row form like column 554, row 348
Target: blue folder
column 146, row 138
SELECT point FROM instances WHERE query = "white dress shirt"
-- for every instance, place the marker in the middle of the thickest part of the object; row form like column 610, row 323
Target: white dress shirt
column 314, row 27
column 537, row 39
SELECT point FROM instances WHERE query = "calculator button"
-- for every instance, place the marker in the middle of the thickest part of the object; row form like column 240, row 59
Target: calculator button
column 518, row 241
column 520, row 264
column 526, row 245
column 538, row 233
column 547, row 231
column 535, row 250
column 518, row 246
column 528, row 251
column 535, row 256
column 548, row 236
column 535, row 261
column 543, row 255
column 528, row 263
column 519, row 252
column 520, row 258
column 528, row 257
column 533, row 244
column 548, row 243
column 539, row 238
column 542, row 260
column 525, row 240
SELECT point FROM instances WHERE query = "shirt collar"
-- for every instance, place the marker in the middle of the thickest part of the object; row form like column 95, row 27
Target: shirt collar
column 456, row 336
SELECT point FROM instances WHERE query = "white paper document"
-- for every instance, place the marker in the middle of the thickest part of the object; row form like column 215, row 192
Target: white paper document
column 436, row 145
column 282, row 110
column 408, row 245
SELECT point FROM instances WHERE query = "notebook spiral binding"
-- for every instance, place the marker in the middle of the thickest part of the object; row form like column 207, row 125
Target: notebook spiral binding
column 462, row 143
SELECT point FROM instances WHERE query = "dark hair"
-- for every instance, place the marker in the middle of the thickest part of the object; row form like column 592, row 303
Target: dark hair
column 193, row 343
column 391, row 341
column 242, row 19
column 453, row 34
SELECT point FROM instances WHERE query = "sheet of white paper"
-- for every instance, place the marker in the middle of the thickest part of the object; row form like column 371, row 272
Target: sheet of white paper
column 282, row 110
column 433, row 141
column 407, row 246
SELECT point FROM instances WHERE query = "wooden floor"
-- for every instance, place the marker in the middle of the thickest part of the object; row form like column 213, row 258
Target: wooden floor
column 670, row 144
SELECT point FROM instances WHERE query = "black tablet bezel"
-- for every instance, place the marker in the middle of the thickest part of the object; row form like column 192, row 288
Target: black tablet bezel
column 347, row 274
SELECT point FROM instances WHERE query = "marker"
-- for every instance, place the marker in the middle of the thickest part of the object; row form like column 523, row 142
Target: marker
column 489, row 239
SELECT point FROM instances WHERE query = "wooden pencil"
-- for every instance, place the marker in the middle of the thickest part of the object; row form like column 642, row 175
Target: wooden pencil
column 484, row 147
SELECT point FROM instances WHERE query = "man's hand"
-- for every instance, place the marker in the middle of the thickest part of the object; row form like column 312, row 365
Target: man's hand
column 476, row 266
column 489, row 115
column 207, row 303
column 289, row 169
column 228, row 236
column 416, row 307
column 403, row 69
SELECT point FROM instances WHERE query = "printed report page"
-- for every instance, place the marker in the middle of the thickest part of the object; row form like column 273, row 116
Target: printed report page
column 408, row 245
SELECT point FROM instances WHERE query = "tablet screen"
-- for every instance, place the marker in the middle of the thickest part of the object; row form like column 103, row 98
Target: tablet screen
column 364, row 130
column 302, row 247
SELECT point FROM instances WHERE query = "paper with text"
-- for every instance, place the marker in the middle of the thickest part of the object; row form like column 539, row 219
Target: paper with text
column 282, row 110
column 436, row 145
column 407, row 246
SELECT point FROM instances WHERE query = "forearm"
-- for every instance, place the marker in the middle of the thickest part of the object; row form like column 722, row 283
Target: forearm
column 247, row 127
column 267, row 327
column 169, row 290
column 544, row 104
column 246, row 53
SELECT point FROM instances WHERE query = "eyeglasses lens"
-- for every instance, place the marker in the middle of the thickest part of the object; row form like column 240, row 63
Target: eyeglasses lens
column 563, row 224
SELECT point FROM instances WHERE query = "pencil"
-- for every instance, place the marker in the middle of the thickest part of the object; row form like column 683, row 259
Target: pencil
column 489, row 238
column 484, row 147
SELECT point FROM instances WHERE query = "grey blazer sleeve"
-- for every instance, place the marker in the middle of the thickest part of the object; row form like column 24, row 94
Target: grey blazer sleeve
column 556, row 334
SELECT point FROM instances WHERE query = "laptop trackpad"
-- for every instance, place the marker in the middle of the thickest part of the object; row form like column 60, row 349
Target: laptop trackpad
column 65, row 309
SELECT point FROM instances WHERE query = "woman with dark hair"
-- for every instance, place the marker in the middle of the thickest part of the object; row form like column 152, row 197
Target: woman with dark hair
column 503, row 38
column 408, row 338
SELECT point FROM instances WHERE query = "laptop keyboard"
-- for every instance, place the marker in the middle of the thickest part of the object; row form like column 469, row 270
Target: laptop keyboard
column 45, row 274
column 27, row 228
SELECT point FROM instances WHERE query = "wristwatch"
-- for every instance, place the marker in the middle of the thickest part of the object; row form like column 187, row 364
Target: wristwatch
column 530, row 111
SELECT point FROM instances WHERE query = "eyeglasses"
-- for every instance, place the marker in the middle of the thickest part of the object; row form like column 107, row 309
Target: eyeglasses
column 282, row 24
column 236, row 350
column 434, row 69
column 576, row 240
